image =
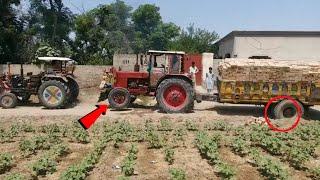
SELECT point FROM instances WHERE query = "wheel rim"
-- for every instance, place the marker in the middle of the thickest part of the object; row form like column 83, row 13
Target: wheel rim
column 175, row 96
column 289, row 112
column 119, row 98
column 6, row 101
column 52, row 95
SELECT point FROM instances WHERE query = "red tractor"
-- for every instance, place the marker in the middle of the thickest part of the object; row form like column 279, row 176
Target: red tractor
column 165, row 78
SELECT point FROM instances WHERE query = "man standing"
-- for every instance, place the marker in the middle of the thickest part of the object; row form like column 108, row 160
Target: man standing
column 193, row 70
column 210, row 80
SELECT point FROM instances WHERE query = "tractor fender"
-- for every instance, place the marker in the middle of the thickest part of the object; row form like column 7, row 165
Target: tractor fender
column 55, row 77
column 178, row 76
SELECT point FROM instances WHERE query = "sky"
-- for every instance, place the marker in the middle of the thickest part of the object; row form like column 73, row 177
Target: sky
column 224, row 16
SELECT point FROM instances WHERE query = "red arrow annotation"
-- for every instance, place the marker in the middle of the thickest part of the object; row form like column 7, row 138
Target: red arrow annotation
column 88, row 120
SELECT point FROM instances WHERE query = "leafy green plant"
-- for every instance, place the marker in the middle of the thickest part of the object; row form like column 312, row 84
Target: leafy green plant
column 169, row 155
column 315, row 173
column 179, row 134
column 79, row 134
column 177, row 174
column 44, row 166
column 240, row 146
column 154, row 140
column 165, row 125
column 270, row 168
column 14, row 176
column 225, row 171
column 274, row 145
column 208, row 146
column 191, row 126
column 5, row 162
column 51, row 128
column 128, row 163
column 297, row 157
column 221, row 126
column 27, row 147
column 80, row 171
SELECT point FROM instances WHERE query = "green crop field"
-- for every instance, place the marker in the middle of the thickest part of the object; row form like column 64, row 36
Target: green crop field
column 162, row 149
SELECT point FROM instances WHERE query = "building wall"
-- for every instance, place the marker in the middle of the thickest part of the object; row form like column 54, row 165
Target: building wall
column 286, row 48
column 207, row 61
column 226, row 47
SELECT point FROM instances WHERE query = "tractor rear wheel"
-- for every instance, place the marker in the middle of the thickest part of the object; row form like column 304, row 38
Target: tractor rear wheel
column 8, row 100
column 175, row 96
column 74, row 89
column 119, row 98
column 286, row 109
column 52, row 94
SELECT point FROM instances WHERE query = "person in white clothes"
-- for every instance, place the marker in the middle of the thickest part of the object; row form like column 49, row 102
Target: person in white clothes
column 210, row 80
column 193, row 70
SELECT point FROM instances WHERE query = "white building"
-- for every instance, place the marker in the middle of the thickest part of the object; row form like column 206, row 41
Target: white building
column 287, row 45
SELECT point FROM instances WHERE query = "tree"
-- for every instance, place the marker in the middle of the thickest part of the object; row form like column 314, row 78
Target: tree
column 103, row 31
column 150, row 31
column 195, row 40
column 50, row 22
column 10, row 30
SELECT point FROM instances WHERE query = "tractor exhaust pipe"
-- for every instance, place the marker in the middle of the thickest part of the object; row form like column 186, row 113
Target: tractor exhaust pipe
column 21, row 70
column 9, row 68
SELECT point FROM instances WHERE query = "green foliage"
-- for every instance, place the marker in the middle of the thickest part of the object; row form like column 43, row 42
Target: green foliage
column 195, row 40
column 191, row 126
column 165, row 125
column 179, row 134
column 14, row 176
column 297, row 157
column 208, row 146
column 274, row 145
column 80, row 171
column 27, row 147
column 154, row 140
column 240, row 146
column 79, row 134
column 127, row 166
column 177, row 174
column 221, row 126
column 169, row 155
column 45, row 165
column 5, row 162
column 315, row 173
column 270, row 168
column 225, row 171
column 46, row 50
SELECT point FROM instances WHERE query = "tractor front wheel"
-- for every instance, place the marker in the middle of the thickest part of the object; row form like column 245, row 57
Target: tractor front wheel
column 175, row 96
column 52, row 94
column 8, row 100
column 119, row 98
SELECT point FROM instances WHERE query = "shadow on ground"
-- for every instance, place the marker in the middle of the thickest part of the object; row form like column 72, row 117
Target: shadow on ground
column 244, row 110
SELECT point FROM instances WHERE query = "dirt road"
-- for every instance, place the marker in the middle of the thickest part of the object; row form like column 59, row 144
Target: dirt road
column 146, row 109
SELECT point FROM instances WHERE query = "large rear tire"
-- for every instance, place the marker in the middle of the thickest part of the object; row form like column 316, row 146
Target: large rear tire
column 286, row 109
column 8, row 100
column 119, row 98
column 74, row 89
column 52, row 94
column 175, row 96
